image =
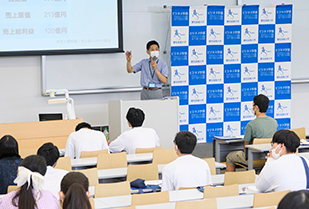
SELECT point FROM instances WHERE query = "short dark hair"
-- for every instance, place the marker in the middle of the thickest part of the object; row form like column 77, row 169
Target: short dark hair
column 152, row 42
column 262, row 102
column 185, row 141
column 8, row 147
column 290, row 140
column 135, row 117
column 298, row 199
column 49, row 152
column 82, row 125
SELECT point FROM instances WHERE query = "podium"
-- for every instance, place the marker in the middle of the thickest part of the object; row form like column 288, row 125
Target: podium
column 161, row 115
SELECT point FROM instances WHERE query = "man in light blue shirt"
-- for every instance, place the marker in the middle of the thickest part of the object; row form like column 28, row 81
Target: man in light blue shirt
column 154, row 72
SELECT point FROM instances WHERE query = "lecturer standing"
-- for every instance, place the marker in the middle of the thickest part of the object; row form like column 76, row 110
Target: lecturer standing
column 154, row 72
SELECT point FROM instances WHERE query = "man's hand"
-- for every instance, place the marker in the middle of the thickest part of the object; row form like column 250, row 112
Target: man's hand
column 128, row 56
column 153, row 64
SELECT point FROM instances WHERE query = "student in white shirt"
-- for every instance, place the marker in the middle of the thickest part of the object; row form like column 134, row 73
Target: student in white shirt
column 283, row 169
column 137, row 137
column 53, row 176
column 84, row 139
column 186, row 170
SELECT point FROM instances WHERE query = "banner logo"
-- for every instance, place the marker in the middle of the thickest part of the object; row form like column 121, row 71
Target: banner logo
column 281, row 32
column 196, row 15
column 177, row 34
column 230, row 53
column 265, row 13
column 231, row 14
column 213, row 73
column 213, row 34
column 264, row 51
column 177, row 74
column 229, row 130
column 248, row 33
column 264, row 89
column 195, row 54
column 195, row 93
column 247, row 71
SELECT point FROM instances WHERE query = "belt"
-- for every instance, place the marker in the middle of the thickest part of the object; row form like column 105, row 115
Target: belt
column 153, row 89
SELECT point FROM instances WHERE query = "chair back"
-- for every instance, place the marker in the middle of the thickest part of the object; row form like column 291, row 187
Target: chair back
column 27, row 152
column 212, row 165
column 91, row 200
column 112, row 189
column 146, row 171
column 210, row 203
column 108, row 161
column 146, row 150
column 92, row 175
column 164, row 156
column 12, row 188
column 85, row 154
column 214, row 192
column 64, row 163
column 262, row 140
column 268, row 199
column 242, row 177
column 300, row 132
column 150, row 198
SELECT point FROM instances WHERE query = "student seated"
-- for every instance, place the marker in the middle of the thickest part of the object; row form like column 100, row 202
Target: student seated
column 261, row 127
column 137, row 137
column 9, row 162
column 74, row 191
column 53, row 176
column 283, row 169
column 186, row 170
column 84, row 139
column 299, row 200
column 29, row 178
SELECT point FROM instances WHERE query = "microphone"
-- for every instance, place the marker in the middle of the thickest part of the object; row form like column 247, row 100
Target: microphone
column 154, row 58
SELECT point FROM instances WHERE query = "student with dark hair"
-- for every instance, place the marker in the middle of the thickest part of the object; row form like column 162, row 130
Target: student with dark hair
column 261, row 127
column 137, row 137
column 186, row 170
column 9, row 162
column 53, row 176
column 84, row 139
column 30, row 195
column 283, row 169
column 154, row 72
column 74, row 191
column 293, row 200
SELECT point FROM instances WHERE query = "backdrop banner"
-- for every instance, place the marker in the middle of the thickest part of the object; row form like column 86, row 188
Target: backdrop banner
column 221, row 57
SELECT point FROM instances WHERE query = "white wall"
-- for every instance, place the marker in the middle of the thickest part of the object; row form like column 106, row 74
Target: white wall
column 20, row 85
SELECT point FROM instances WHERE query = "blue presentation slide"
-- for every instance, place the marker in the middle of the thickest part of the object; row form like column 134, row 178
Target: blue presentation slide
column 34, row 25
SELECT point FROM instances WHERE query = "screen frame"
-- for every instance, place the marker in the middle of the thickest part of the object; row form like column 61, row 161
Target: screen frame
column 118, row 49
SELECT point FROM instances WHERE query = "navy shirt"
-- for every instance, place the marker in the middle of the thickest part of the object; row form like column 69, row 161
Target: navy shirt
column 8, row 172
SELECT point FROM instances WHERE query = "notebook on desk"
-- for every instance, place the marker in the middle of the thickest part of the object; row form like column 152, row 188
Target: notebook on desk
column 228, row 137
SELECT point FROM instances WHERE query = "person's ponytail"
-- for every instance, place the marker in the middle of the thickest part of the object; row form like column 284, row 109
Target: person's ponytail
column 76, row 197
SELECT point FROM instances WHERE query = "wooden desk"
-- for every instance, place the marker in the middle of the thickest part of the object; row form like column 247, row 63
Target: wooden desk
column 241, row 201
column 131, row 158
column 32, row 135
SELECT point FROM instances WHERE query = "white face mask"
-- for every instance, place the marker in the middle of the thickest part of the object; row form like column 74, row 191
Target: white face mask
column 274, row 154
column 154, row 54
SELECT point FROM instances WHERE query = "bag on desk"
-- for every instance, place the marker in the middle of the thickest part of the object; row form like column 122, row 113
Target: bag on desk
column 138, row 183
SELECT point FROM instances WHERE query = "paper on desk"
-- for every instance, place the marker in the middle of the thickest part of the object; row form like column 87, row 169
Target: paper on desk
column 153, row 182
column 228, row 137
column 304, row 141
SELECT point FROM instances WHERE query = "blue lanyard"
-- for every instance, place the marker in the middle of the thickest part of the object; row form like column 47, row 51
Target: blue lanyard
column 151, row 73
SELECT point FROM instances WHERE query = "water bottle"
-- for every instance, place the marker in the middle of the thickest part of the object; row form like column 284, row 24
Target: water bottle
column 105, row 132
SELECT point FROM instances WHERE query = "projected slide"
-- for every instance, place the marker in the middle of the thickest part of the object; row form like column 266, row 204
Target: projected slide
column 40, row 25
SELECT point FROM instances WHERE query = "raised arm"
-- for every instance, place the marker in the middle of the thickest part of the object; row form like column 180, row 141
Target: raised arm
column 129, row 66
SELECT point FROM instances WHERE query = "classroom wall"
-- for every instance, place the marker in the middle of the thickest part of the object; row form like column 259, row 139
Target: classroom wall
column 20, row 85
